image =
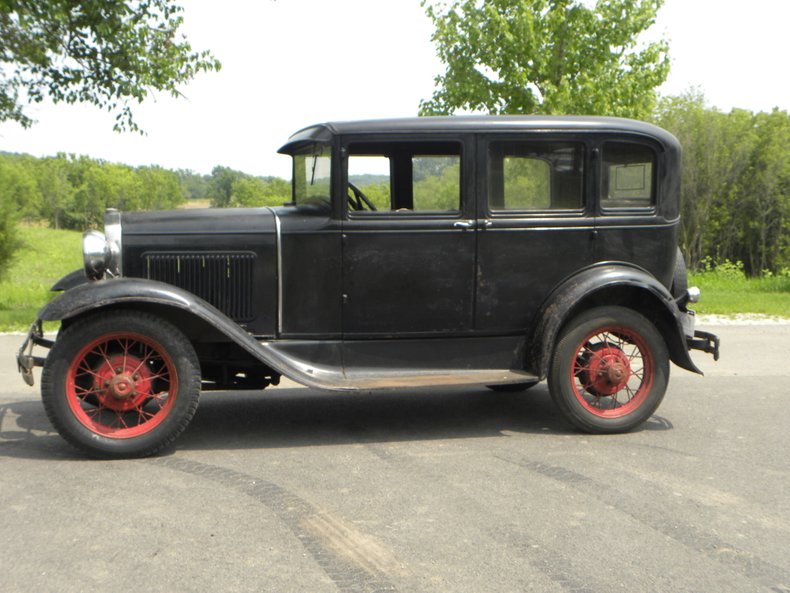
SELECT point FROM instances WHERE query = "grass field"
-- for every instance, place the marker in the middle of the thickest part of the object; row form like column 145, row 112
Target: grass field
column 48, row 254
column 726, row 291
column 45, row 256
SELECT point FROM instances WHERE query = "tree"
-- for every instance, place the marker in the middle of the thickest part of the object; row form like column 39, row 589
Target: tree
column 8, row 233
column 194, row 185
column 18, row 184
column 161, row 189
column 220, row 185
column 102, row 52
column 761, row 199
column 56, row 190
column 735, row 194
column 546, row 56
column 716, row 149
column 258, row 191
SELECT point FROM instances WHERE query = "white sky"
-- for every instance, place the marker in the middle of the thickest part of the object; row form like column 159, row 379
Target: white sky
column 291, row 63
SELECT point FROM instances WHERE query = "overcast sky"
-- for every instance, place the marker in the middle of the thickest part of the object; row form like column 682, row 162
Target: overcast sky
column 290, row 63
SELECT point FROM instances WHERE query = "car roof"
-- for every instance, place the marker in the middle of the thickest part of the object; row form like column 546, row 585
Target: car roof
column 476, row 123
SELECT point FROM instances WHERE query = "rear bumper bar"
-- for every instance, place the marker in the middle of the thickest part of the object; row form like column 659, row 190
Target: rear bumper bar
column 706, row 342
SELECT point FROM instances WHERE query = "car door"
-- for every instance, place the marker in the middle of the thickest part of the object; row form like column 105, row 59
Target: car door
column 408, row 237
column 631, row 216
column 537, row 224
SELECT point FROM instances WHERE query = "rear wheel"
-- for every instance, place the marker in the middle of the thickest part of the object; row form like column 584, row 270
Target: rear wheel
column 121, row 384
column 610, row 370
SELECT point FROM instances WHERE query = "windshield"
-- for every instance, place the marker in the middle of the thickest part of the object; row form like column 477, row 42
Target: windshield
column 312, row 175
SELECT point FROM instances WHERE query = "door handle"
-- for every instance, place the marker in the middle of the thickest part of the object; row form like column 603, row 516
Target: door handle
column 464, row 224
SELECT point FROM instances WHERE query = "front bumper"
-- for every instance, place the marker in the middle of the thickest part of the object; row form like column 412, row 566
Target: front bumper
column 24, row 357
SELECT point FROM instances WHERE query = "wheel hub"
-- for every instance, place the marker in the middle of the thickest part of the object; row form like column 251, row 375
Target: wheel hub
column 123, row 382
column 122, row 386
column 607, row 370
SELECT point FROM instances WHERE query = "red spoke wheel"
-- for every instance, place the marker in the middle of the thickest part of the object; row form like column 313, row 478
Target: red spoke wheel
column 121, row 384
column 610, row 370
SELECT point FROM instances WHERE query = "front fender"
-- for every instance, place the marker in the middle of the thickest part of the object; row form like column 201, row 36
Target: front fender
column 82, row 298
column 100, row 294
column 610, row 284
column 71, row 280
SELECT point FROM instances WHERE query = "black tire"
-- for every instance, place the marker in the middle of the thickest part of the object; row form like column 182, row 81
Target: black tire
column 513, row 387
column 609, row 371
column 680, row 281
column 121, row 384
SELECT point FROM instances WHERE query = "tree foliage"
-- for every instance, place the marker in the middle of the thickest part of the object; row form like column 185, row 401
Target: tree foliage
column 220, row 185
column 101, row 52
column 8, row 235
column 736, row 183
column 258, row 191
column 73, row 192
column 546, row 56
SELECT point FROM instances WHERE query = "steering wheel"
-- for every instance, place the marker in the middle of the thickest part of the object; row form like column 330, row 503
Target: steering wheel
column 359, row 200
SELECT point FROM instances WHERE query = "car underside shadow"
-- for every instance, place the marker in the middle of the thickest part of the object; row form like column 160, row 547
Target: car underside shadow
column 26, row 433
column 299, row 417
column 293, row 417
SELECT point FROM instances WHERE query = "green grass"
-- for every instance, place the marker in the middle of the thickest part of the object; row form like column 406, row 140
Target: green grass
column 726, row 291
column 45, row 256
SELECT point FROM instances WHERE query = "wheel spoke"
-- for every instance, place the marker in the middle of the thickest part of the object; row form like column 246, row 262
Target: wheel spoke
column 120, row 410
column 102, row 351
column 612, row 371
column 82, row 393
column 164, row 376
column 121, row 420
column 93, row 412
column 148, row 357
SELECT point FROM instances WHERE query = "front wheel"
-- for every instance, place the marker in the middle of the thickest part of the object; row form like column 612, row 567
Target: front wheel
column 610, row 370
column 121, row 384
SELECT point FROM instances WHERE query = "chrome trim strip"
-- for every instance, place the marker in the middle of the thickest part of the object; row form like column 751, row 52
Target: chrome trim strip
column 278, row 233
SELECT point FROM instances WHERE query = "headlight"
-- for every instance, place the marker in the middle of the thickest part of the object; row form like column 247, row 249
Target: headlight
column 95, row 254
column 112, row 230
column 102, row 253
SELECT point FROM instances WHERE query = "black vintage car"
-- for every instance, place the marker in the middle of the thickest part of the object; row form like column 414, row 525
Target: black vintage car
column 491, row 251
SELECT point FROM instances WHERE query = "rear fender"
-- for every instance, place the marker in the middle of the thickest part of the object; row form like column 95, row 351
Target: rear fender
column 610, row 284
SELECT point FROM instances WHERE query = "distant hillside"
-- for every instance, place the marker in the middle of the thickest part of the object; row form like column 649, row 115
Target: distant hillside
column 368, row 179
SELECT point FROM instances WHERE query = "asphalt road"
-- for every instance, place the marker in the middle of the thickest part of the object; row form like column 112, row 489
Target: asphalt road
column 423, row 491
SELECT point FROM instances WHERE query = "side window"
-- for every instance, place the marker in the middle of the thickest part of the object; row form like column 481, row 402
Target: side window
column 627, row 176
column 436, row 182
column 535, row 176
column 404, row 177
column 370, row 175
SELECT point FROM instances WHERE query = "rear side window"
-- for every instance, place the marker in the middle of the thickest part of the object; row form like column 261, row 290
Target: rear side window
column 535, row 176
column 627, row 176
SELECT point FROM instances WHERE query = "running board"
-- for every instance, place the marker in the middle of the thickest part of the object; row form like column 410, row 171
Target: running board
column 371, row 379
